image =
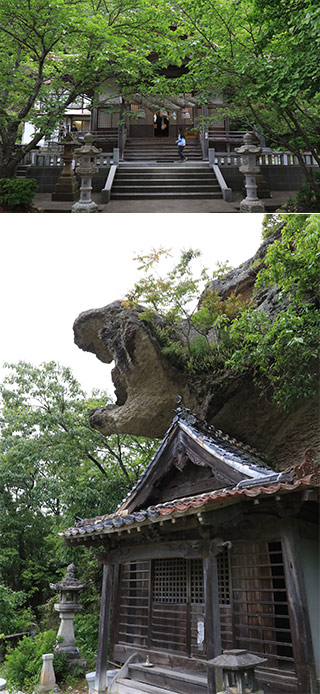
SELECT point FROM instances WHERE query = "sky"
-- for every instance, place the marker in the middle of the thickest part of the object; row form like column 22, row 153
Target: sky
column 53, row 267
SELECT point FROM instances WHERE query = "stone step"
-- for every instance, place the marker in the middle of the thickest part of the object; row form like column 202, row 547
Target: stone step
column 170, row 180
column 165, row 196
column 119, row 188
column 181, row 681
column 126, row 686
column 184, row 169
column 154, row 180
column 171, row 183
column 162, row 150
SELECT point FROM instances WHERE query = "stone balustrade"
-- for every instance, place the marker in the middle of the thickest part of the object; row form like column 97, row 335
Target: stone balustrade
column 271, row 158
column 51, row 158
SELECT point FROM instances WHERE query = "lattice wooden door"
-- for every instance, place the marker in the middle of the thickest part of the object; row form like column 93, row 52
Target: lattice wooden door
column 177, row 606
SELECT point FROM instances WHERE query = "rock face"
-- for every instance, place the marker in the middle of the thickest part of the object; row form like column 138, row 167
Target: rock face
column 146, row 383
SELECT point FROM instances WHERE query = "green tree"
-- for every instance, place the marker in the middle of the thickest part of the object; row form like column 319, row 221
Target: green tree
column 282, row 350
column 52, row 53
column 262, row 57
column 53, row 466
column 279, row 348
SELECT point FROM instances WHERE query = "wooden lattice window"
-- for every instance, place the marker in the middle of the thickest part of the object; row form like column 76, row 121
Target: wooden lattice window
column 197, row 587
column 223, row 577
column 178, row 581
column 261, row 616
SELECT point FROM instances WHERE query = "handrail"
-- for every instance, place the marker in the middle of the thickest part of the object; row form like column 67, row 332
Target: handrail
column 225, row 190
column 106, row 191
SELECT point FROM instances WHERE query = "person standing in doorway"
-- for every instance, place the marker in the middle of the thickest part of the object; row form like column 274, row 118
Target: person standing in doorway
column 181, row 142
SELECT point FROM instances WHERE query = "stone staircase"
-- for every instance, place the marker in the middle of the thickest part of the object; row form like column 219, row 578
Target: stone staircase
column 175, row 182
column 139, row 679
column 159, row 149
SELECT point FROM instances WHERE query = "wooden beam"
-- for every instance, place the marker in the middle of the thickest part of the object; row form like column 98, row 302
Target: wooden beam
column 100, row 682
column 195, row 549
column 297, row 602
column 212, row 616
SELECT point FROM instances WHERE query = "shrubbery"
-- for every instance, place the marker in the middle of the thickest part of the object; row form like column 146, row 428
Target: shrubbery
column 14, row 615
column 23, row 664
column 86, row 629
column 307, row 198
column 17, row 193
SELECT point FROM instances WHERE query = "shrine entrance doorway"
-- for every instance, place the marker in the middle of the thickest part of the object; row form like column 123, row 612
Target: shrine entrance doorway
column 177, row 606
column 160, row 125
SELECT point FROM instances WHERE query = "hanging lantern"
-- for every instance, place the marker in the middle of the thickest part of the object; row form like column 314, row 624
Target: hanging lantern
column 185, row 114
column 174, row 115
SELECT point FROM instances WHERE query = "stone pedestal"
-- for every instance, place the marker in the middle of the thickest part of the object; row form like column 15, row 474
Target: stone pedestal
column 68, row 607
column 67, row 187
column 47, row 677
column 249, row 152
column 86, row 169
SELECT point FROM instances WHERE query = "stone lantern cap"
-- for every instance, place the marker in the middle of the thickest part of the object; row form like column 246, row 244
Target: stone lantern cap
column 70, row 582
column 250, row 144
column 88, row 148
column 237, row 659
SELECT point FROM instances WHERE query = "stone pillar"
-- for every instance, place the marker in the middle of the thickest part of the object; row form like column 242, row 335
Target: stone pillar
column 67, row 187
column 47, row 677
column 68, row 608
column 86, row 170
column 249, row 152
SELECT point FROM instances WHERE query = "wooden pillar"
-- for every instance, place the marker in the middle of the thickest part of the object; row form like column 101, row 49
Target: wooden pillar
column 205, row 128
column 297, row 602
column 100, row 682
column 212, row 616
column 94, row 120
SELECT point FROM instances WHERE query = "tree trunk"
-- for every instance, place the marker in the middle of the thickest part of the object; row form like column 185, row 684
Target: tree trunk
column 10, row 153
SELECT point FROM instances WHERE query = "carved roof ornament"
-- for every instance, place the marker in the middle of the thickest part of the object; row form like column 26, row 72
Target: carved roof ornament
column 182, row 411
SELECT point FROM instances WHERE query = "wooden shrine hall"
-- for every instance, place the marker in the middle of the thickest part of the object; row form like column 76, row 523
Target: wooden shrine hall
column 211, row 550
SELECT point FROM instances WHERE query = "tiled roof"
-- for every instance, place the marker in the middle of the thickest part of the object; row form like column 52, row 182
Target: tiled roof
column 301, row 477
column 235, row 454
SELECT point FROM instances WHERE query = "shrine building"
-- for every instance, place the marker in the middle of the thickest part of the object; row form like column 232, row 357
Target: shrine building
column 211, row 550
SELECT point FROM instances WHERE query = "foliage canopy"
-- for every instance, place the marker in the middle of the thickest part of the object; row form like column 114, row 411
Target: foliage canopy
column 279, row 347
column 53, row 466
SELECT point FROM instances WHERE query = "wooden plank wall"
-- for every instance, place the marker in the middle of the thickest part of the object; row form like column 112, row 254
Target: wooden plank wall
column 260, row 605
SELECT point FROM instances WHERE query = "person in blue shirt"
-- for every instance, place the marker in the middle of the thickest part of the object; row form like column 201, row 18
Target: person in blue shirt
column 181, row 142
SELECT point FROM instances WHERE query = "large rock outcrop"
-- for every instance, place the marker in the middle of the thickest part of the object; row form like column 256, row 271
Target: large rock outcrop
column 146, row 383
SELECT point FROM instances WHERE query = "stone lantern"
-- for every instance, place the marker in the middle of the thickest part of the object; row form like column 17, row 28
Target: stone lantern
column 249, row 152
column 68, row 607
column 67, row 187
column 86, row 169
column 237, row 667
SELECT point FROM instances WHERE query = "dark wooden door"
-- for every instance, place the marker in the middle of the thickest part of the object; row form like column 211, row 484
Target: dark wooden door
column 177, row 606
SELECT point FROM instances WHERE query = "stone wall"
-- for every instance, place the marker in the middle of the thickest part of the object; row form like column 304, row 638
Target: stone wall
column 277, row 177
column 47, row 177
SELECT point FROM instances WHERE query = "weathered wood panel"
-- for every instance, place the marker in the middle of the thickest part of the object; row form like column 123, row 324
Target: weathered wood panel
column 261, row 617
column 104, row 629
column 133, row 616
column 302, row 642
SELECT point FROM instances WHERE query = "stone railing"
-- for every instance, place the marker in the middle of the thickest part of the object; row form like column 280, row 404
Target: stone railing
column 265, row 159
column 53, row 157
